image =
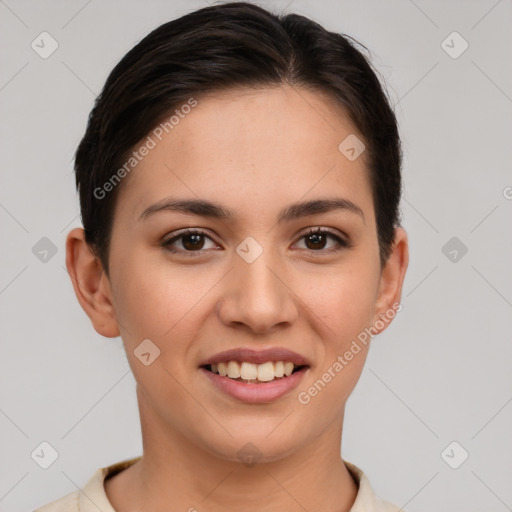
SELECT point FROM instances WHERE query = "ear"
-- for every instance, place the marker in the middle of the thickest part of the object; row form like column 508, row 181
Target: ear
column 92, row 287
column 391, row 281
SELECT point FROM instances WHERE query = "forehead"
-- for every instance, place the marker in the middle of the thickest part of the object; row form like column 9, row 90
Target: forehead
column 249, row 144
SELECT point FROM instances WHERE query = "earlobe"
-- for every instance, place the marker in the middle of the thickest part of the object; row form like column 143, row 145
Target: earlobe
column 391, row 282
column 91, row 285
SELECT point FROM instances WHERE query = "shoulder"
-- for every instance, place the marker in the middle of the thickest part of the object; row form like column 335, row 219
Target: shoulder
column 68, row 503
column 385, row 506
column 91, row 497
column 366, row 499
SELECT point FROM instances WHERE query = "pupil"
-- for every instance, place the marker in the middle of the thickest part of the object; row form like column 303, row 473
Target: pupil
column 196, row 244
column 316, row 237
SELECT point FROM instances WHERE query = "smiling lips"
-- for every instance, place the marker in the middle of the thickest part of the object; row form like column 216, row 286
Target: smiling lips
column 247, row 365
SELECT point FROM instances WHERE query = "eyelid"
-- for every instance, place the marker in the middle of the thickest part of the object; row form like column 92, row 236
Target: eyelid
column 328, row 231
column 186, row 231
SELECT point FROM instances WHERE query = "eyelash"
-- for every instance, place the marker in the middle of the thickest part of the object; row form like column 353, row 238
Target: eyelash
column 341, row 243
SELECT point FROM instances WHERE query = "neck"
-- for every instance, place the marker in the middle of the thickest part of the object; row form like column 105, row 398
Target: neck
column 176, row 474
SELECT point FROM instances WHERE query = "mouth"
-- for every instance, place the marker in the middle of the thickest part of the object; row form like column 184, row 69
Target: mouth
column 255, row 376
column 251, row 373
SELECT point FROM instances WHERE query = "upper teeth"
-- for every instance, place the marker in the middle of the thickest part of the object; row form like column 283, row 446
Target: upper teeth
column 249, row 371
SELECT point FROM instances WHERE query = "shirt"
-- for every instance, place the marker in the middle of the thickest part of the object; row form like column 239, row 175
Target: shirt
column 92, row 497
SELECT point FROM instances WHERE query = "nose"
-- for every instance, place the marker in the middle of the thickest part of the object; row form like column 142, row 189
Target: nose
column 258, row 296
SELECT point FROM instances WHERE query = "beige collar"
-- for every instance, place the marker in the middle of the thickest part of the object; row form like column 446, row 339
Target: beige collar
column 92, row 497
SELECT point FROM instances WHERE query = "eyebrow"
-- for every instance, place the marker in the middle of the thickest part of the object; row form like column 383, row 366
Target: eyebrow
column 214, row 210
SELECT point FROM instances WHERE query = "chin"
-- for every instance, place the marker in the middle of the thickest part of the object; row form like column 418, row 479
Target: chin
column 255, row 447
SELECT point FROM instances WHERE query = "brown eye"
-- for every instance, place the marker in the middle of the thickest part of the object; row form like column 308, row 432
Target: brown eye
column 317, row 239
column 187, row 241
column 193, row 242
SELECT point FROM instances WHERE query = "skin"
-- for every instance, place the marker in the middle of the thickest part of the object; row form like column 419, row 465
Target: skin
column 254, row 152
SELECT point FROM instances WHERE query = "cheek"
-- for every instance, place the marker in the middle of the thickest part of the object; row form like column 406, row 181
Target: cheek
column 344, row 300
column 156, row 302
column 345, row 307
column 345, row 348
column 153, row 298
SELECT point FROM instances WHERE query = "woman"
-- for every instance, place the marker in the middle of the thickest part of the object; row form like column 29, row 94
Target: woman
column 239, row 185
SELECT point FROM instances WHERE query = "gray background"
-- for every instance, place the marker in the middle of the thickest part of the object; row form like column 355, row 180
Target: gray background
column 440, row 373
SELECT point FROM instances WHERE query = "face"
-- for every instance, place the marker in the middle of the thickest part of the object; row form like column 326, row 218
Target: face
column 249, row 274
